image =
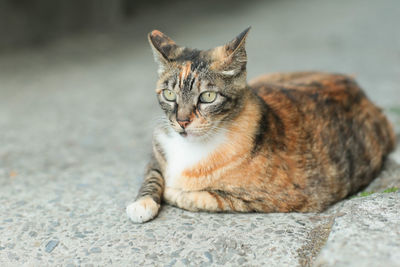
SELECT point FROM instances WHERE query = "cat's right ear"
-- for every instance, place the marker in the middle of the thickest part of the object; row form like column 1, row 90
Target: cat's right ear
column 163, row 49
column 231, row 58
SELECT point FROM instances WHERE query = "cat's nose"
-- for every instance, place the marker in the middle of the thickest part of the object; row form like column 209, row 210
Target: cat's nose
column 184, row 123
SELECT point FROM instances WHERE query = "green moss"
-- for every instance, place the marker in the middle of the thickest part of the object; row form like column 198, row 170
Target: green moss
column 395, row 110
column 365, row 194
column 391, row 190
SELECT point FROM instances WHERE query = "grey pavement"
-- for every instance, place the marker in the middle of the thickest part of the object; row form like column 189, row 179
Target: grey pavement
column 366, row 232
column 76, row 121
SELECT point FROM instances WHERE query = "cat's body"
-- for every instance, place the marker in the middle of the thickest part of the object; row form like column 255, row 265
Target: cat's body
column 285, row 142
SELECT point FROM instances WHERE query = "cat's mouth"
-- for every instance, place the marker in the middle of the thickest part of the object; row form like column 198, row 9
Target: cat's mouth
column 192, row 132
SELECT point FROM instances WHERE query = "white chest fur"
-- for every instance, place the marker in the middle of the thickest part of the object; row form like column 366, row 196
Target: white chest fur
column 182, row 153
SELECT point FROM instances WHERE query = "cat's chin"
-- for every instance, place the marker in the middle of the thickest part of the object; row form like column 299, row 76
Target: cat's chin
column 193, row 136
column 189, row 134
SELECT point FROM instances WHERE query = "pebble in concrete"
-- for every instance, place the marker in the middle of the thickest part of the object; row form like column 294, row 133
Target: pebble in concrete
column 51, row 245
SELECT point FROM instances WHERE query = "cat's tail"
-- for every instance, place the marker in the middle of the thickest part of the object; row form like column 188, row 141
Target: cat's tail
column 388, row 134
column 392, row 137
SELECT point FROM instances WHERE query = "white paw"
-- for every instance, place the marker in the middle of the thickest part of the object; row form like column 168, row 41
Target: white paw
column 142, row 210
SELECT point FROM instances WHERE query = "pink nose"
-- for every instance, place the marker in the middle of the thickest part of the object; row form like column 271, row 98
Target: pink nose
column 183, row 123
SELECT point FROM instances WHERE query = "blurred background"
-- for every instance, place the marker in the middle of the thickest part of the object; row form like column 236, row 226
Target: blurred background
column 77, row 77
column 80, row 74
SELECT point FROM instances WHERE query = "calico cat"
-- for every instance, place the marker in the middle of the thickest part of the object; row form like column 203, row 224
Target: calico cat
column 284, row 142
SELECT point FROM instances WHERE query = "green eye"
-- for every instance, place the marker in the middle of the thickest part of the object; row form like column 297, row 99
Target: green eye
column 208, row 97
column 169, row 95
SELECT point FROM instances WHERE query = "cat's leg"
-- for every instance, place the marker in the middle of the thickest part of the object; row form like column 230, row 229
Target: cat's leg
column 211, row 200
column 191, row 200
column 148, row 201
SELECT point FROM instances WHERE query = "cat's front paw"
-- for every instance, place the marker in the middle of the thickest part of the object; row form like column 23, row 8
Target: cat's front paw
column 142, row 210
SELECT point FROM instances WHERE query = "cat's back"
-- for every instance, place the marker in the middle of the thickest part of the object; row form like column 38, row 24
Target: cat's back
column 328, row 120
column 307, row 87
column 333, row 100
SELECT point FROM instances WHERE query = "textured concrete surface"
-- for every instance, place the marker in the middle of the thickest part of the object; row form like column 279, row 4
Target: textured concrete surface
column 366, row 232
column 75, row 128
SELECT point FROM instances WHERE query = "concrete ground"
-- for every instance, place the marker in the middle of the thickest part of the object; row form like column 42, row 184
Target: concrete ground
column 75, row 128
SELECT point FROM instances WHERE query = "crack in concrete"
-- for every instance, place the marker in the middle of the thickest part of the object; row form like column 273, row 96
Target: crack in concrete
column 316, row 240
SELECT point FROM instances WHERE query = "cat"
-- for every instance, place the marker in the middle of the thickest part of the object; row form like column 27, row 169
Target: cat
column 284, row 142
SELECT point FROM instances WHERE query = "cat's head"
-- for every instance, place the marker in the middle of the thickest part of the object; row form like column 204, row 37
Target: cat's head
column 200, row 91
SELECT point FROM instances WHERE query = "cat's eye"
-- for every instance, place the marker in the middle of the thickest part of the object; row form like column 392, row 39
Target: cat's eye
column 208, row 97
column 169, row 95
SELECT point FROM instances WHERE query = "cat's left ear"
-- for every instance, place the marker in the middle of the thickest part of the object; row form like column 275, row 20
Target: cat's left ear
column 231, row 58
column 164, row 48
